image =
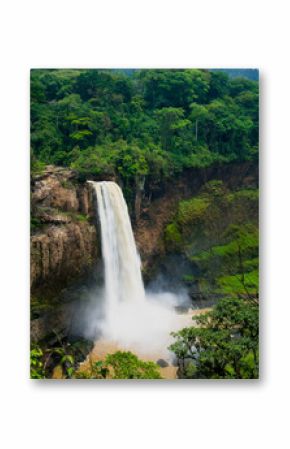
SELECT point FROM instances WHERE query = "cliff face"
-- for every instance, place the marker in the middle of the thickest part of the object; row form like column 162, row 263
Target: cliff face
column 155, row 215
column 64, row 239
column 61, row 253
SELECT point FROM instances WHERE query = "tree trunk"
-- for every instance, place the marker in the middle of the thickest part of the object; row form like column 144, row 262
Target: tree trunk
column 140, row 181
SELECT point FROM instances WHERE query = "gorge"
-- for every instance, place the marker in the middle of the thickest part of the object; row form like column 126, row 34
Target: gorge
column 69, row 239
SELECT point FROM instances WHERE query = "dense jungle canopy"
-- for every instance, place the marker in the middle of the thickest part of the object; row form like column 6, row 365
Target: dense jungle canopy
column 140, row 123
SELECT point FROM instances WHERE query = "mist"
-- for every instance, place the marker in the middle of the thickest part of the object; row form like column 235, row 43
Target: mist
column 142, row 327
column 123, row 313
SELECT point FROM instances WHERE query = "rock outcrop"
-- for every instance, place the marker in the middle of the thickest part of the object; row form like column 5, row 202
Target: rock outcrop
column 64, row 246
column 61, row 253
column 57, row 188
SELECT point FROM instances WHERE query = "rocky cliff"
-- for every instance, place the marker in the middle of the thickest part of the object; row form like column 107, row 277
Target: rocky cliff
column 64, row 240
column 64, row 243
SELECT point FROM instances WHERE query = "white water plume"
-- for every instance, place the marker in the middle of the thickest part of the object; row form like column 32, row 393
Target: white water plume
column 133, row 319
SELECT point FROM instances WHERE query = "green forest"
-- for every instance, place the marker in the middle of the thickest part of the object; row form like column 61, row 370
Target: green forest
column 153, row 123
column 146, row 129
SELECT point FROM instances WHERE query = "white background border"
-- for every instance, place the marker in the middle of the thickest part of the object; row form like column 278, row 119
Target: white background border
column 87, row 33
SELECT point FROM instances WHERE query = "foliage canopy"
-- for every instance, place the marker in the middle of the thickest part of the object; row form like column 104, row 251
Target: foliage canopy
column 150, row 124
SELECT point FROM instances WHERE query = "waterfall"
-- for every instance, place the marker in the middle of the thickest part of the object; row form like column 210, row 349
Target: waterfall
column 122, row 265
column 133, row 320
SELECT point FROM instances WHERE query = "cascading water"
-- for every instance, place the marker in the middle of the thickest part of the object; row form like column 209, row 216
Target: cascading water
column 123, row 279
column 133, row 319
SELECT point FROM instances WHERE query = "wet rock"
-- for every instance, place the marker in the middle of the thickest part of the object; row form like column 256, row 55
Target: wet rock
column 162, row 363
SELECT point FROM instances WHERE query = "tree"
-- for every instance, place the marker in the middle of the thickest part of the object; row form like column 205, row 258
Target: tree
column 219, row 85
column 191, row 118
column 171, row 120
column 223, row 345
column 198, row 115
column 133, row 167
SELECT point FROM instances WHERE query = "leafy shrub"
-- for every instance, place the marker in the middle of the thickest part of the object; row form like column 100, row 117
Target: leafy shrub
column 223, row 345
column 173, row 237
column 126, row 365
column 36, row 363
column 121, row 365
column 191, row 210
column 35, row 223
